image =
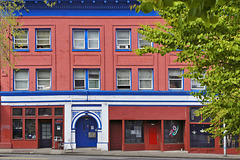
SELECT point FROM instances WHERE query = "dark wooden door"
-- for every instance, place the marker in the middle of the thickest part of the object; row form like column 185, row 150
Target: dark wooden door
column 115, row 135
column 45, row 140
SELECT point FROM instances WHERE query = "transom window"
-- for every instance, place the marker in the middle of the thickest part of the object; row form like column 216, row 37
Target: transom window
column 123, row 79
column 142, row 42
column 43, row 40
column 21, row 40
column 123, row 39
column 86, row 79
column 44, row 79
column 21, row 81
column 145, row 79
column 175, row 79
column 86, row 39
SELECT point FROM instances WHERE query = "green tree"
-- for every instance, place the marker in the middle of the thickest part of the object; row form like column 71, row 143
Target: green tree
column 211, row 49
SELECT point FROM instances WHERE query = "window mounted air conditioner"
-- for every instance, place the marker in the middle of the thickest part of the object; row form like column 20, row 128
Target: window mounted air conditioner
column 123, row 47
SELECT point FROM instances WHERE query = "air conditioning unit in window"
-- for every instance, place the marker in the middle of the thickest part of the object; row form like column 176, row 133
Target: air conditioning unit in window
column 123, row 47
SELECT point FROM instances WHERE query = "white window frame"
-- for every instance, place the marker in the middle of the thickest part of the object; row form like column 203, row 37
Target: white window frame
column 145, row 79
column 93, row 39
column 49, row 79
column 93, row 78
column 25, row 80
column 141, row 39
column 39, row 39
column 124, row 79
column 127, row 46
column 198, row 88
column 180, row 78
column 74, row 46
column 19, row 37
column 84, row 78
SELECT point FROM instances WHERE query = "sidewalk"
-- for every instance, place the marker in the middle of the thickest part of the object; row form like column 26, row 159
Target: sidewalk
column 95, row 152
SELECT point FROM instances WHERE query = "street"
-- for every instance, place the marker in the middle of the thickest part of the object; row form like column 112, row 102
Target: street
column 67, row 157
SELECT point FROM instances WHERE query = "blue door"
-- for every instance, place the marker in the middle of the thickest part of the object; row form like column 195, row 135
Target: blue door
column 86, row 132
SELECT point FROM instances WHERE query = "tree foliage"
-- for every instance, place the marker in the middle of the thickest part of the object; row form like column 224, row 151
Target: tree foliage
column 197, row 8
column 212, row 49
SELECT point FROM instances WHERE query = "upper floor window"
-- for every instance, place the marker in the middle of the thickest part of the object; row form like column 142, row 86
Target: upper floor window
column 21, row 40
column 123, row 41
column 123, row 79
column 86, row 39
column 145, row 78
column 44, row 79
column 21, row 80
column 43, row 39
column 142, row 42
column 175, row 79
column 195, row 85
column 86, row 79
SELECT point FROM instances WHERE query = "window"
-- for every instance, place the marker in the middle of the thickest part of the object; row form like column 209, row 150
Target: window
column 86, row 79
column 44, row 111
column 142, row 42
column 21, row 40
column 58, row 111
column 17, row 111
column 17, row 128
column 43, row 39
column 145, row 79
column 20, row 79
column 29, row 111
column 86, row 39
column 123, row 39
column 134, row 132
column 44, row 79
column 123, row 79
column 30, row 129
column 196, row 85
column 175, row 79
column 173, row 131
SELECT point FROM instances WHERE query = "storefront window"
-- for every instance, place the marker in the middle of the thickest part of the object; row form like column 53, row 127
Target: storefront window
column 193, row 117
column 30, row 129
column 29, row 111
column 232, row 141
column 17, row 128
column 17, row 112
column 199, row 138
column 134, row 132
column 173, row 131
column 58, row 111
column 44, row 111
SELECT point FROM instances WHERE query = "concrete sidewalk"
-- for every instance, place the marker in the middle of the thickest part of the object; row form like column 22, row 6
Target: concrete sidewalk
column 95, row 152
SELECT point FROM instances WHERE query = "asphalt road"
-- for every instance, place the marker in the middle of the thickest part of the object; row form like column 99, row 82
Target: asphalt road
column 70, row 157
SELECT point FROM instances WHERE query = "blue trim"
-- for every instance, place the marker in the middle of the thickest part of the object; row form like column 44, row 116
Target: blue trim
column 96, row 93
column 48, row 49
column 86, row 50
column 43, row 50
column 21, row 50
column 86, row 105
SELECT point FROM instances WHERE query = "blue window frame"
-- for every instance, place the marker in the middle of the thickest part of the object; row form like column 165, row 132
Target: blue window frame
column 175, row 79
column 145, row 79
column 123, row 40
column 195, row 85
column 21, row 41
column 43, row 40
column 44, row 79
column 21, row 80
column 86, row 79
column 124, row 79
column 142, row 42
column 86, row 40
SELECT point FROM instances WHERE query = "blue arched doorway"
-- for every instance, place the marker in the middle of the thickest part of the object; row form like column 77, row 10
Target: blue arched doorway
column 86, row 132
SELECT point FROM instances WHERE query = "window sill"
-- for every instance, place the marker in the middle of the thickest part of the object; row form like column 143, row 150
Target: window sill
column 21, row 50
column 86, row 50
column 43, row 50
column 123, row 50
column 175, row 89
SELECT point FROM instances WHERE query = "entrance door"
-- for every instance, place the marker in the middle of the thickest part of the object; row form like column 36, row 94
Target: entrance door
column 115, row 135
column 152, row 135
column 86, row 132
column 45, row 140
